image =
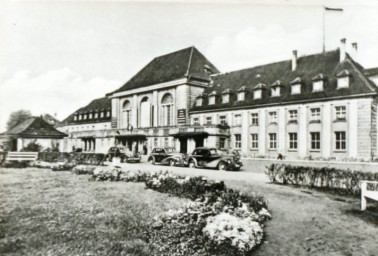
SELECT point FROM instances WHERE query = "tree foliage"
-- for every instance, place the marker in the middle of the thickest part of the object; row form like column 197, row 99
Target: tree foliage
column 17, row 117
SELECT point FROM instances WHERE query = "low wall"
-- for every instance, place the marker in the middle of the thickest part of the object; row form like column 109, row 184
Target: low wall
column 259, row 165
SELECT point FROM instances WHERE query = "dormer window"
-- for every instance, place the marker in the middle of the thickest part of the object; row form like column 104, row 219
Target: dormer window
column 108, row 113
column 90, row 116
column 241, row 93
column 226, row 96
column 96, row 115
column 343, row 79
column 102, row 114
column 257, row 90
column 85, row 116
column 80, row 117
column 276, row 88
column 212, row 97
column 75, row 117
column 318, row 82
column 296, row 85
column 199, row 102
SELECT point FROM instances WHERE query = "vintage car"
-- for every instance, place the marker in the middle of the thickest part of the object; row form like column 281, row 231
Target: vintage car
column 168, row 155
column 212, row 158
column 124, row 154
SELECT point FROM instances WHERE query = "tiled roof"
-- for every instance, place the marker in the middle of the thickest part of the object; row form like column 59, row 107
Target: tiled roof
column 101, row 104
column 307, row 68
column 371, row 71
column 188, row 62
column 35, row 127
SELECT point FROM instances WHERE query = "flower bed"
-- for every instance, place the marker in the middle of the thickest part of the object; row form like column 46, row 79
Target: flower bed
column 220, row 221
column 331, row 179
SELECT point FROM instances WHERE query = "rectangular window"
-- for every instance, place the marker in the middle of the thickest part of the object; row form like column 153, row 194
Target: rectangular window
column 342, row 82
column 276, row 91
column 199, row 102
column 255, row 118
column 196, row 121
column 272, row 140
column 96, row 115
column 237, row 140
column 237, row 119
column 273, row 117
column 102, row 114
column 222, row 142
column 222, row 120
column 293, row 115
column 225, row 98
column 166, row 142
column 315, row 114
column 340, row 140
column 293, row 141
column 255, row 141
column 155, row 142
column 208, row 120
column 315, row 140
column 317, row 86
column 296, row 89
column 211, row 100
column 340, row 112
column 241, row 96
column 90, row 116
column 75, row 118
column 257, row 94
column 85, row 116
column 107, row 113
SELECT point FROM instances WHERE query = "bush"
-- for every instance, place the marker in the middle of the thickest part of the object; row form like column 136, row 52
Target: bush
column 336, row 180
column 74, row 158
column 221, row 221
column 32, row 147
column 16, row 164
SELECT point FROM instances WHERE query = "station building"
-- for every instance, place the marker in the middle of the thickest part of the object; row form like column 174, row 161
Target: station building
column 316, row 106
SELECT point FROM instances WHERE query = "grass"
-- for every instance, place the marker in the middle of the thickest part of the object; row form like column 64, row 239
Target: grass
column 309, row 222
column 58, row 213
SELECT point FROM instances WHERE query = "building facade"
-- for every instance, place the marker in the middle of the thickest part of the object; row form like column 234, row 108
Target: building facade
column 316, row 106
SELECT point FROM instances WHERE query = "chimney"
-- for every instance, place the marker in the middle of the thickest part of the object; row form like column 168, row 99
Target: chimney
column 294, row 61
column 354, row 51
column 342, row 49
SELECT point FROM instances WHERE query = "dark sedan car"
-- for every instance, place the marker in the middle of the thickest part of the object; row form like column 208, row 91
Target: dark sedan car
column 213, row 158
column 122, row 152
column 167, row 155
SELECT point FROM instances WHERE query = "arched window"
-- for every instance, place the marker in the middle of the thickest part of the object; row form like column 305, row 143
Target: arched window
column 126, row 109
column 145, row 112
column 167, row 105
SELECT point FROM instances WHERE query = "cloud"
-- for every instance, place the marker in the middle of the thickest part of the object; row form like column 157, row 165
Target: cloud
column 60, row 91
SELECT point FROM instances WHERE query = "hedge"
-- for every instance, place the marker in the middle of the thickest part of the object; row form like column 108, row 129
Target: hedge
column 345, row 182
column 75, row 158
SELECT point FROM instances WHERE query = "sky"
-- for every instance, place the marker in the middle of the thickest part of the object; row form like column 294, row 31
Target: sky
column 57, row 56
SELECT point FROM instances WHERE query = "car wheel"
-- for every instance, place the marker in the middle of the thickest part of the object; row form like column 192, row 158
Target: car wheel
column 151, row 160
column 172, row 162
column 222, row 166
column 192, row 164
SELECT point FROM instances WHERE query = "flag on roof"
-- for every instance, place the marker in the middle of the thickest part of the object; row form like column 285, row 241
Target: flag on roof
column 333, row 9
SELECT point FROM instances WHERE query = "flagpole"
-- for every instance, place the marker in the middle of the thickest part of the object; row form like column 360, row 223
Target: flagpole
column 323, row 13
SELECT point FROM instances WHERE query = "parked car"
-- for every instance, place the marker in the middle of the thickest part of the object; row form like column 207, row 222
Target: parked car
column 167, row 155
column 213, row 158
column 124, row 153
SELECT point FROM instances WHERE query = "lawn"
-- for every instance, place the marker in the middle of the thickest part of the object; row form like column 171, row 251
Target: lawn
column 58, row 213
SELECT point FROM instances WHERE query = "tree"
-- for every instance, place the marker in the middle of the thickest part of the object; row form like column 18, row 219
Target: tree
column 17, row 117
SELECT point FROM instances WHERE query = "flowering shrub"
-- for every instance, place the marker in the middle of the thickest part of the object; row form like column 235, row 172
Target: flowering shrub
column 243, row 233
column 337, row 180
column 220, row 221
column 83, row 169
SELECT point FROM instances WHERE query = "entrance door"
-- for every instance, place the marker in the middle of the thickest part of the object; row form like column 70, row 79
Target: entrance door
column 199, row 142
column 183, row 145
